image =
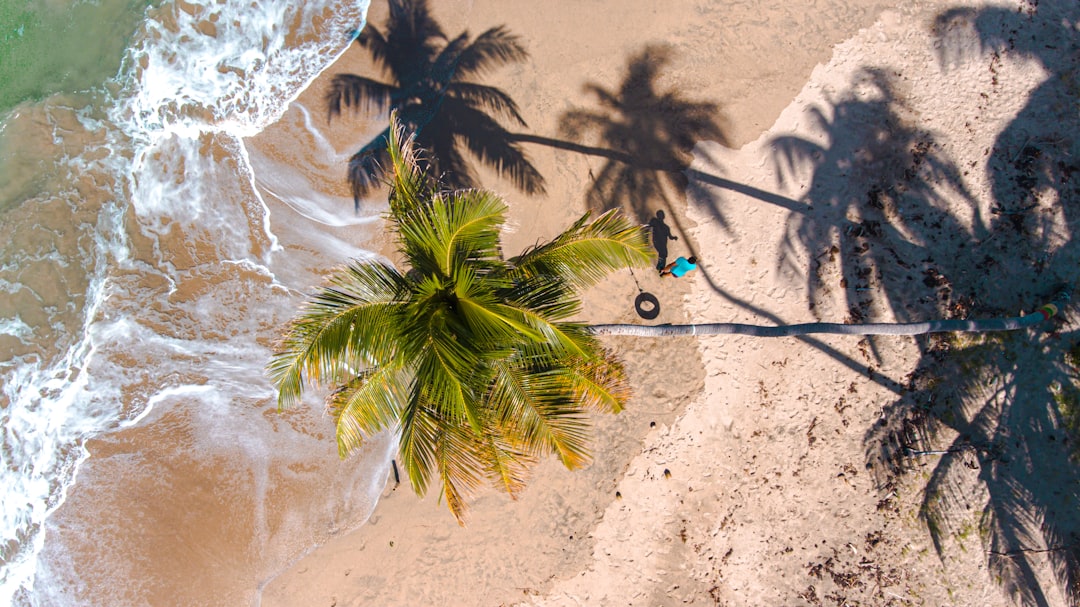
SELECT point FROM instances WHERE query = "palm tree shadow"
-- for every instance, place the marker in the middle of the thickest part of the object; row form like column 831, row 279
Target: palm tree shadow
column 1039, row 149
column 647, row 137
column 1001, row 406
column 877, row 197
column 431, row 88
column 654, row 133
column 1017, row 430
column 992, row 417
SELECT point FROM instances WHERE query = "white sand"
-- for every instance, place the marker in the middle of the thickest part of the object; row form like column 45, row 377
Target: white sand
column 739, row 473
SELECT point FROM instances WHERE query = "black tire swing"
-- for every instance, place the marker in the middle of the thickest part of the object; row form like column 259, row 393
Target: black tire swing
column 647, row 305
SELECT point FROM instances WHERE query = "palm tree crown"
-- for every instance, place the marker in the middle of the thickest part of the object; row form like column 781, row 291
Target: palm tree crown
column 433, row 95
column 470, row 357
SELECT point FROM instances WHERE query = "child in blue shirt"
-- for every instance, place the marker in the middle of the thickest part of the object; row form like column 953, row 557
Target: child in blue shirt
column 680, row 266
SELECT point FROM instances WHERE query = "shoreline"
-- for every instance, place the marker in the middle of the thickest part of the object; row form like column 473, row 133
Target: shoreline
column 843, row 162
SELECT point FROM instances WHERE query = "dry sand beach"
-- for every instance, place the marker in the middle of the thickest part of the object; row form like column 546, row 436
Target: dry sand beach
column 877, row 160
column 857, row 181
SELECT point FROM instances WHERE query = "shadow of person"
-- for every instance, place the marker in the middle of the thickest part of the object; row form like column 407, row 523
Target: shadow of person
column 660, row 235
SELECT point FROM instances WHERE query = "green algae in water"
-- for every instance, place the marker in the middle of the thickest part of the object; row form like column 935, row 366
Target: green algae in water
column 54, row 46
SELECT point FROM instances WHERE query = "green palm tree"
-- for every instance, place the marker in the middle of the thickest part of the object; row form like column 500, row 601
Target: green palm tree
column 431, row 89
column 470, row 357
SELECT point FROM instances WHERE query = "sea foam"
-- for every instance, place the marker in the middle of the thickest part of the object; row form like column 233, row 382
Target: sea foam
column 162, row 197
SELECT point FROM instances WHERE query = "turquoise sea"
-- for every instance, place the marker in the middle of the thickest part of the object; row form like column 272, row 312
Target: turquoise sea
column 149, row 254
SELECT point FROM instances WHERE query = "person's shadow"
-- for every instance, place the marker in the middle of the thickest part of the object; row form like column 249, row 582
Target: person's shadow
column 661, row 234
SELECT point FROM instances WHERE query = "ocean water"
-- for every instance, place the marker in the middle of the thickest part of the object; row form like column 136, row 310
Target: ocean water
column 149, row 255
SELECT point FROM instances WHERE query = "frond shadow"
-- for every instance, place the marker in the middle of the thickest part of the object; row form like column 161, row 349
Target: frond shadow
column 431, row 86
column 878, row 204
column 993, row 419
column 654, row 132
column 647, row 137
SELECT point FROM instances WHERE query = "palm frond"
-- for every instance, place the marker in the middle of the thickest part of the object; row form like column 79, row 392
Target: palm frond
column 494, row 323
column 549, row 296
column 505, row 464
column 561, row 338
column 448, row 366
column 461, row 467
column 452, row 231
column 600, row 384
column 366, row 405
column 588, row 251
column 417, row 439
column 347, row 324
column 470, row 229
column 536, row 410
column 408, row 183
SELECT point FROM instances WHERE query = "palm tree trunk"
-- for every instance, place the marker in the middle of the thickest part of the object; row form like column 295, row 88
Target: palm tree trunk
column 913, row 328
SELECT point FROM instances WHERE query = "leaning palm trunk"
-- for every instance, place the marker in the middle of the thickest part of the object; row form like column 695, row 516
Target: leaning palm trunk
column 913, row 328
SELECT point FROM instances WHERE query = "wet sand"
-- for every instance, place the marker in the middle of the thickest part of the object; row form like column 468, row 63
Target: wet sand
column 746, row 476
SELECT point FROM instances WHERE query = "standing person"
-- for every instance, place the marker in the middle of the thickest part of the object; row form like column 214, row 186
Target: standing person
column 680, row 266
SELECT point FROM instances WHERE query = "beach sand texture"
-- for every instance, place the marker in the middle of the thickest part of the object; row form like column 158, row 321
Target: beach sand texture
column 748, row 471
column 872, row 167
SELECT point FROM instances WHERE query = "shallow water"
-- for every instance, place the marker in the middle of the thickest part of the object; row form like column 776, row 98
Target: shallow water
column 54, row 46
column 149, row 255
